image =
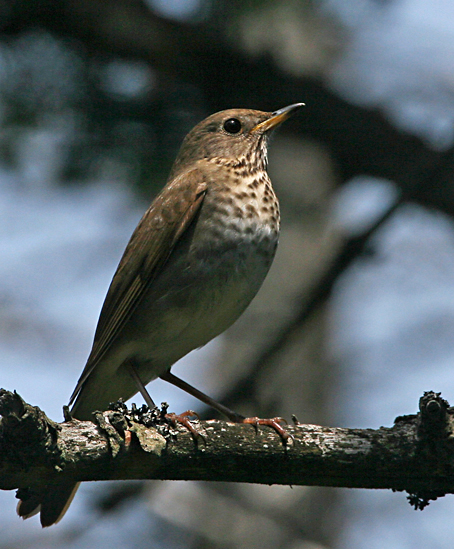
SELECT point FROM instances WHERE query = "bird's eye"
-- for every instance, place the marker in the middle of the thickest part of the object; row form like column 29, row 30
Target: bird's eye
column 232, row 125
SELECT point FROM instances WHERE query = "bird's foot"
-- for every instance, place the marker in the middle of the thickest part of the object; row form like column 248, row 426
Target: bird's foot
column 184, row 420
column 274, row 423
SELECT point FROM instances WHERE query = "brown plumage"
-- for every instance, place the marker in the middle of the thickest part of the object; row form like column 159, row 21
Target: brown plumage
column 194, row 263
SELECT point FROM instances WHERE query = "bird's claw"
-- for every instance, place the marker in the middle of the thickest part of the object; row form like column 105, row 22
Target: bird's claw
column 184, row 420
column 274, row 423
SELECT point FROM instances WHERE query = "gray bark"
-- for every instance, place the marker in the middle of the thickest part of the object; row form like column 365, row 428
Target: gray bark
column 415, row 455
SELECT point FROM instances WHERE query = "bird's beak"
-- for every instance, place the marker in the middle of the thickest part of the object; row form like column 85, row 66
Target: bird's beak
column 276, row 118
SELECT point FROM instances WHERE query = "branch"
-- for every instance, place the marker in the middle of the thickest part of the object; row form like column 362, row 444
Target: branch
column 414, row 455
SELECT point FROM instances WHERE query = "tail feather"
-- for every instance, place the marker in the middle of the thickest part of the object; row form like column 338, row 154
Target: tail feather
column 52, row 504
column 30, row 507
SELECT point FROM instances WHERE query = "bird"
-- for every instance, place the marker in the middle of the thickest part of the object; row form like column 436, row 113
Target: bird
column 196, row 260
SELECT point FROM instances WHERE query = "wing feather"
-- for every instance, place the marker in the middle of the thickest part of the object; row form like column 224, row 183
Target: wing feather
column 149, row 248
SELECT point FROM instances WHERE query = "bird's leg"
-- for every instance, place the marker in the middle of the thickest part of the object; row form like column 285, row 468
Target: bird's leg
column 275, row 422
column 174, row 380
column 174, row 418
column 140, row 386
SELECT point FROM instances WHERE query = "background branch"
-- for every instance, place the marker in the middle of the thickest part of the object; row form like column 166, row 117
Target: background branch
column 360, row 140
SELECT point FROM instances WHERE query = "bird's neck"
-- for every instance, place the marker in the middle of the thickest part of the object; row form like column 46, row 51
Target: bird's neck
column 248, row 164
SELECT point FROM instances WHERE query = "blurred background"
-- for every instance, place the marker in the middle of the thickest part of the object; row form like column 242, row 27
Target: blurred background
column 356, row 318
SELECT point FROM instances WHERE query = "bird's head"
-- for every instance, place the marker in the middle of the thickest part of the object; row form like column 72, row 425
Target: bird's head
column 232, row 135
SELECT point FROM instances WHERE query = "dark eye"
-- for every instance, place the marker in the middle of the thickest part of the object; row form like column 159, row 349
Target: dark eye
column 232, row 125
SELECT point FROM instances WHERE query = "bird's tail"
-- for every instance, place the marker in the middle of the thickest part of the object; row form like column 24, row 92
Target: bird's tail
column 52, row 503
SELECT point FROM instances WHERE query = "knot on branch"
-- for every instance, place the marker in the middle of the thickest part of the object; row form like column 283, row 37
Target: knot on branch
column 435, row 444
column 433, row 421
column 27, row 435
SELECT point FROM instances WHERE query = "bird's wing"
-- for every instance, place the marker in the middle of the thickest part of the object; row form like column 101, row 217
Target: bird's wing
column 151, row 245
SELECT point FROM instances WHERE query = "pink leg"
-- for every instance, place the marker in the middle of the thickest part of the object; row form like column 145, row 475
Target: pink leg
column 274, row 423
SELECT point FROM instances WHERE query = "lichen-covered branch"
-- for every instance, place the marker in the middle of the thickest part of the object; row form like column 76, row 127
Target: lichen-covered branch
column 415, row 455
